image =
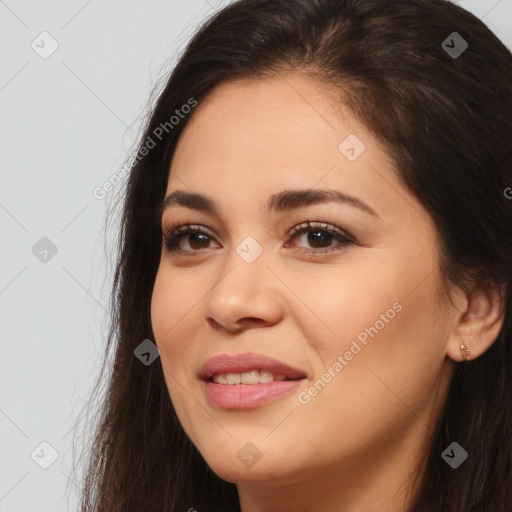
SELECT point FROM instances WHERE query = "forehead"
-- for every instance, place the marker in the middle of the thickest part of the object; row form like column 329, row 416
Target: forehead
column 261, row 137
column 271, row 113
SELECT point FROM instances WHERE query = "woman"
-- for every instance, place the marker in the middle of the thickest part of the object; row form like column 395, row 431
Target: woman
column 317, row 237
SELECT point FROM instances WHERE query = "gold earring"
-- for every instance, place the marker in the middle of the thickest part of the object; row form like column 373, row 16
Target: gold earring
column 464, row 350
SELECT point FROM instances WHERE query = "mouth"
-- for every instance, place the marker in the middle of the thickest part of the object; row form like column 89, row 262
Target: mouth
column 248, row 368
column 248, row 380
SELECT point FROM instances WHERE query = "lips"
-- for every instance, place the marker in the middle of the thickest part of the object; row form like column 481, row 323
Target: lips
column 227, row 391
column 241, row 363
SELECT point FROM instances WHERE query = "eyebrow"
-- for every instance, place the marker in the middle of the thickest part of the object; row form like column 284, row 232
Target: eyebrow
column 281, row 202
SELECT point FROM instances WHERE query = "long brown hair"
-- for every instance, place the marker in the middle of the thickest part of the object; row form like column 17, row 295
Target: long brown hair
column 446, row 121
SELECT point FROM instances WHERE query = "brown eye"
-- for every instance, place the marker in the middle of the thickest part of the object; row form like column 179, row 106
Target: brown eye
column 321, row 236
column 197, row 238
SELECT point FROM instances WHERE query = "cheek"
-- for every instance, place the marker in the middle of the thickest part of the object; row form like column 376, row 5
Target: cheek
column 174, row 297
column 340, row 306
column 173, row 312
column 379, row 320
column 174, row 316
column 392, row 354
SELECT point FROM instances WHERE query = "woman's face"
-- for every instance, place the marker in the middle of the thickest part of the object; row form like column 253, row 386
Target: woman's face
column 349, row 302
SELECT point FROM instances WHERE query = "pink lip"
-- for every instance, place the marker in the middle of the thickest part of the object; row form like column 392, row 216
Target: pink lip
column 245, row 396
column 245, row 362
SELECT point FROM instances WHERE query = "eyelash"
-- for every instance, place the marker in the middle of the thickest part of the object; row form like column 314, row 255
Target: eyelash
column 172, row 235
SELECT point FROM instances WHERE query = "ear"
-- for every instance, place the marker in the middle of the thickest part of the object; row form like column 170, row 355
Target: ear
column 477, row 322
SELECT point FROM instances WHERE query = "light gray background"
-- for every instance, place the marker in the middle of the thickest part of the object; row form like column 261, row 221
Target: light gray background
column 68, row 123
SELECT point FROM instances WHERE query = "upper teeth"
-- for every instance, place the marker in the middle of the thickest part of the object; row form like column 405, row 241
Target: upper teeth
column 251, row 377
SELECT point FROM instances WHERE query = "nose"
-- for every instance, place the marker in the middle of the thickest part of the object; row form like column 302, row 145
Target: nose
column 245, row 295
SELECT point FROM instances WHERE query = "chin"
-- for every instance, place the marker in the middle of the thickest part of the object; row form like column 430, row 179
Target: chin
column 245, row 466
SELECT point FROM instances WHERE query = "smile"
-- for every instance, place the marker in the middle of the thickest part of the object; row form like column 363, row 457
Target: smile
column 251, row 377
column 248, row 380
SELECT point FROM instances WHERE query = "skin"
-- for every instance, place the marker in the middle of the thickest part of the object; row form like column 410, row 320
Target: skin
column 357, row 444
